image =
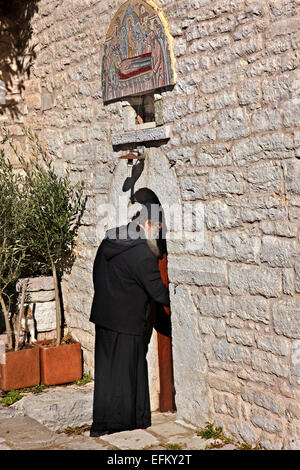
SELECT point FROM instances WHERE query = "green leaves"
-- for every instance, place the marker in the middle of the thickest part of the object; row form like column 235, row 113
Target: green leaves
column 52, row 208
column 40, row 215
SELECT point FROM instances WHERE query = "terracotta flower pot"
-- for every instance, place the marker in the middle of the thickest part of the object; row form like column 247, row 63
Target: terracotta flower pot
column 60, row 364
column 21, row 368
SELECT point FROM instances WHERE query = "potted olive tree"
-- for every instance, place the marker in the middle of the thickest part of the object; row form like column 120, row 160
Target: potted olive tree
column 53, row 211
column 19, row 367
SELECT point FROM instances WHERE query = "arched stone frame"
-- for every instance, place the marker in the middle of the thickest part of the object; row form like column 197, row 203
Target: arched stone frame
column 156, row 169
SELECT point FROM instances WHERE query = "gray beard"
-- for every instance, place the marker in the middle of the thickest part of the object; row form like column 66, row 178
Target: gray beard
column 152, row 243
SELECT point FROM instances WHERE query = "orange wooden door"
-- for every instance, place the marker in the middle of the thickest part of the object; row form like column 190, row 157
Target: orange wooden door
column 165, row 359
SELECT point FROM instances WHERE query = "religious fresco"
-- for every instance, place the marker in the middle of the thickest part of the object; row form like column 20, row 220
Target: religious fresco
column 138, row 54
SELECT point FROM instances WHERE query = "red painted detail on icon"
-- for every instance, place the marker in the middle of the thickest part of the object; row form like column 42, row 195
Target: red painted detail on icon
column 134, row 66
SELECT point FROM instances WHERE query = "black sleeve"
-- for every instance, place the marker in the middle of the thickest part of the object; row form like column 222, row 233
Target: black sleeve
column 148, row 275
column 96, row 264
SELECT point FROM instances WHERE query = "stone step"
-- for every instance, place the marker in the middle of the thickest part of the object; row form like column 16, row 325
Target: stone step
column 60, row 407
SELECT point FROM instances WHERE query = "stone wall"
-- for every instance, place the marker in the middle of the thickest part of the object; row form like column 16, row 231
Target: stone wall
column 235, row 147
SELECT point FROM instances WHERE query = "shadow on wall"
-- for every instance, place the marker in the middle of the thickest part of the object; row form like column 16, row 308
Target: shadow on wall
column 16, row 52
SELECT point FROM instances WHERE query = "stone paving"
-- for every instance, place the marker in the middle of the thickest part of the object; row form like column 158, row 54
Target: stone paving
column 18, row 431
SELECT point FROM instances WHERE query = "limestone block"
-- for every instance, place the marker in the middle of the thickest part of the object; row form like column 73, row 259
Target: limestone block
column 2, row 92
column 15, row 432
column 45, row 316
column 233, row 124
column 244, row 337
column 59, row 409
column 191, row 389
column 224, row 182
column 213, row 155
column 291, row 113
column 264, row 178
column 275, row 146
column 198, row 271
column 292, row 176
column 277, row 251
column 143, row 135
column 214, row 306
column 274, row 227
column 253, row 308
column 242, row 431
column 36, row 284
column 297, row 275
column 126, row 440
column 40, row 296
column 226, row 404
column 272, row 344
column 75, row 135
column 129, row 118
column 224, row 383
column 219, row 216
column 249, row 92
column 286, row 318
column 269, row 363
column 265, row 421
column 267, row 120
column 230, row 352
column 255, row 280
column 242, row 245
column 288, row 282
column 295, row 361
column 192, row 189
column 264, row 400
column 212, row 326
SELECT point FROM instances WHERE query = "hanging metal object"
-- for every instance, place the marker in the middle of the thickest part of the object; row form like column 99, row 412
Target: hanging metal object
column 138, row 154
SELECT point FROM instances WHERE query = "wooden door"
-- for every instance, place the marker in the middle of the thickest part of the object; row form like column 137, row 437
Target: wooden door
column 165, row 359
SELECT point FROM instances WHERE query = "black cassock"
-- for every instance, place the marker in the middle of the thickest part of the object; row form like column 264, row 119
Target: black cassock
column 126, row 279
column 121, row 392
